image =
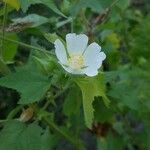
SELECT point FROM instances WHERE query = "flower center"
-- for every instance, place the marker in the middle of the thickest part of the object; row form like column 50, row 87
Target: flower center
column 76, row 61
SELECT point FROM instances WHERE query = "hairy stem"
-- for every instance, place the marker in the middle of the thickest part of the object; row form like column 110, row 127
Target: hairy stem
column 26, row 45
column 3, row 30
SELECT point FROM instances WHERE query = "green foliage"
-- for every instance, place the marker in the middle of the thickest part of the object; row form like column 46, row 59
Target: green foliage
column 114, row 105
column 51, row 37
column 91, row 87
column 28, row 137
column 27, row 81
column 110, row 143
column 9, row 49
column 106, row 114
column 33, row 19
column 72, row 102
column 140, row 43
column 95, row 5
column 49, row 3
column 13, row 3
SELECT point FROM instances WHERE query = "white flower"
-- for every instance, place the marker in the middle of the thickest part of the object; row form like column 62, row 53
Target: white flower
column 77, row 57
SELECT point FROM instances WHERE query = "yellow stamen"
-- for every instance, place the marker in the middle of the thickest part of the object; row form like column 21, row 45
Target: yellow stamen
column 76, row 61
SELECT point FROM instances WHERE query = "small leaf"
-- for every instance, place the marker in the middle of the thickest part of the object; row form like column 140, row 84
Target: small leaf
column 34, row 19
column 49, row 3
column 52, row 37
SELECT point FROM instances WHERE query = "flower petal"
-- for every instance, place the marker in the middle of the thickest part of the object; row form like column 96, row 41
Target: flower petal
column 76, row 43
column 60, row 51
column 102, row 55
column 89, row 71
column 93, row 57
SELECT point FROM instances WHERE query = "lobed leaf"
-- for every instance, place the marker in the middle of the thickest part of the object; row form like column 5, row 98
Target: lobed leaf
column 29, row 83
column 91, row 87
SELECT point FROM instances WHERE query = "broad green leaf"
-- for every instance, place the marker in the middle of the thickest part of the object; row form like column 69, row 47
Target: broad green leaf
column 9, row 48
column 19, row 136
column 28, row 82
column 13, row 3
column 33, row 19
column 91, row 87
column 49, row 3
column 45, row 63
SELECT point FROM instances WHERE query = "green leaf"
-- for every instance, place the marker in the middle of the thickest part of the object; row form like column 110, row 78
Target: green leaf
column 118, row 126
column 10, row 48
column 96, row 5
column 129, row 86
column 62, row 23
column 48, row 140
column 9, row 9
column 14, row 3
column 45, row 63
column 49, row 3
column 33, row 19
column 72, row 102
column 3, row 68
column 91, row 87
column 28, row 82
column 111, row 143
column 19, row 136
column 51, row 37
column 123, row 4
column 102, row 113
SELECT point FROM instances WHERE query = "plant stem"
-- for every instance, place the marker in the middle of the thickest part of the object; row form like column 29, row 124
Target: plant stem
column 58, row 130
column 72, row 25
column 3, row 30
column 56, row 96
column 114, row 3
column 13, row 113
column 26, row 45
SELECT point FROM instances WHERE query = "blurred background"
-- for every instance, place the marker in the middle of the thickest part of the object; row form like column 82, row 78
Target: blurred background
column 122, row 28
